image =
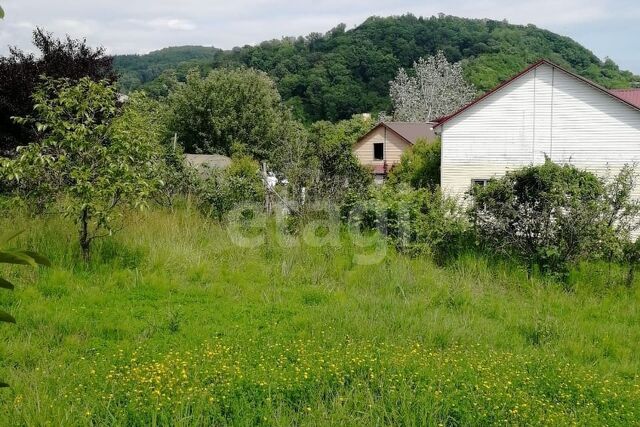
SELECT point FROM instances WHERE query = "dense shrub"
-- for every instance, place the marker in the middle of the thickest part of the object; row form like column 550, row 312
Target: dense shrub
column 417, row 221
column 553, row 215
column 223, row 189
column 419, row 166
column 321, row 160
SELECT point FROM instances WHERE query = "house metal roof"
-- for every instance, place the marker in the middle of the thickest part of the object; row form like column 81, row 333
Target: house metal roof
column 632, row 96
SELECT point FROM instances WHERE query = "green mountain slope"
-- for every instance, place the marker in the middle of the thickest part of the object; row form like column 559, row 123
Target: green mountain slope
column 138, row 70
column 340, row 73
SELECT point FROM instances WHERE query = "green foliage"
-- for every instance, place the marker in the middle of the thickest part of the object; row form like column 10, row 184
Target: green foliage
column 21, row 73
column 418, row 221
column 419, row 166
column 138, row 71
column 548, row 216
column 335, row 75
column 222, row 190
column 20, row 257
column 321, row 160
column 338, row 168
column 210, row 114
column 96, row 160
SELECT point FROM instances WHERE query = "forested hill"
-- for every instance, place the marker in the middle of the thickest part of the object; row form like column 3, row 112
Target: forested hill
column 334, row 75
column 138, row 70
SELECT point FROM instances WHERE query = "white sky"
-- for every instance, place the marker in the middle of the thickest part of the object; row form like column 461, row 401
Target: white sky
column 607, row 27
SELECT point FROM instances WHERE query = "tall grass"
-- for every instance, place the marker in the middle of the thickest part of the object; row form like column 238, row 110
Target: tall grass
column 172, row 324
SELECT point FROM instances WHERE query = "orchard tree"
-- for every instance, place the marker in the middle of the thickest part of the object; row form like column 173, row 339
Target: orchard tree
column 433, row 88
column 94, row 160
column 228, row 107
column 20, row 75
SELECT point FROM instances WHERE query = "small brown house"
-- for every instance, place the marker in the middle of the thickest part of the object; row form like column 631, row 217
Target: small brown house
column 382, row 146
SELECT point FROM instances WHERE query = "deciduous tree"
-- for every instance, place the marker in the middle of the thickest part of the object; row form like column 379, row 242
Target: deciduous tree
column 20, row 74
column 96, row 161
column 211, row 114
column 433, row 88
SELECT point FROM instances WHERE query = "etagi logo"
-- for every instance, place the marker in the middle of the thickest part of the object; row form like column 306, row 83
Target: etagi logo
column 248, row 226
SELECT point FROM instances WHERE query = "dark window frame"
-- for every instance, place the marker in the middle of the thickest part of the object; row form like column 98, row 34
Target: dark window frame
column 380, row 155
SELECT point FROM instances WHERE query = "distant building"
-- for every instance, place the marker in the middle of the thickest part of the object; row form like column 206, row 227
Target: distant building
column 202, row 162
column 543, row 112
column 382, row 147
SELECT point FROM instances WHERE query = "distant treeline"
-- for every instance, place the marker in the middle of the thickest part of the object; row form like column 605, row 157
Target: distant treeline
column 335, row 75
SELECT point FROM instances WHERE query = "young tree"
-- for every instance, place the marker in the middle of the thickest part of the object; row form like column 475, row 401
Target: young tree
column 96, row 161
column 20, row 74
column 323, row 160
column 228, row 107
column 434, row 88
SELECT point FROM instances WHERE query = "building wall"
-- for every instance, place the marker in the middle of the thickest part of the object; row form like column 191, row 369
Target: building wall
column 545, row 112
column 393, row 148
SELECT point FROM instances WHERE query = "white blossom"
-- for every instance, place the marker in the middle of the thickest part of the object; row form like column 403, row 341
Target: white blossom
column 434, row 88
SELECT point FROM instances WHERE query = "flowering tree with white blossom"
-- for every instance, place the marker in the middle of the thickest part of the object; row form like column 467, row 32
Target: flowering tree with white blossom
column 433, row 88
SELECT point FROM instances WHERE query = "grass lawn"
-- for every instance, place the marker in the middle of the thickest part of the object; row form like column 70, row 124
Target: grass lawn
column 172, row 324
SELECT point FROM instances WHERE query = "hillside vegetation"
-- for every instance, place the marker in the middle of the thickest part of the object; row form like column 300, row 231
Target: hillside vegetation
column 335, row 75
column 172, row 324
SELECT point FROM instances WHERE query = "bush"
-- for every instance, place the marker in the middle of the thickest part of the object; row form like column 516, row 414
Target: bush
column 419, row 166
column 417, row 221
column 550, row 215
column 223, row 189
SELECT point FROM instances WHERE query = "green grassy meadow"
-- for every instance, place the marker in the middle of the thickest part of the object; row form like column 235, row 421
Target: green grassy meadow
column 173, row 324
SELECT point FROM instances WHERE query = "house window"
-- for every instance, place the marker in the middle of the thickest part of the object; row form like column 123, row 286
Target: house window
column 479, row 182
column 378, row 151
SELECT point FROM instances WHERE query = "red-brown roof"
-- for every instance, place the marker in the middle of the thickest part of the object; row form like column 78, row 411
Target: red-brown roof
column 632, row 96
column 442, row 120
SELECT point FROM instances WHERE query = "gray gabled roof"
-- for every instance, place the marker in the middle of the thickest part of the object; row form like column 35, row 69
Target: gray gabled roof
column 409, row 131
column 412, row 131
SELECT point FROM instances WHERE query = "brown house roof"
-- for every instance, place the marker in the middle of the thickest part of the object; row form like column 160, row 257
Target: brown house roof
column 409, row 131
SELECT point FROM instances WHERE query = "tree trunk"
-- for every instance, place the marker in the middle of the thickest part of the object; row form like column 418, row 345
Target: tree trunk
column 85, row 240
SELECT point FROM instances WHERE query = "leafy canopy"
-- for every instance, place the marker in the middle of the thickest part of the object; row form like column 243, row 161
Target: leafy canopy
column 228, row 107
column 20, row 75
column 419, row 166
column 88, row 154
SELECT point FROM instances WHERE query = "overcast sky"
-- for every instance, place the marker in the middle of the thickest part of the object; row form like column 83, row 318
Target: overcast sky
column 607, row 27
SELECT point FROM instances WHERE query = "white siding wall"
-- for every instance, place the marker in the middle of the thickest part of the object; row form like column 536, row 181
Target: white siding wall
column 544, row 112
